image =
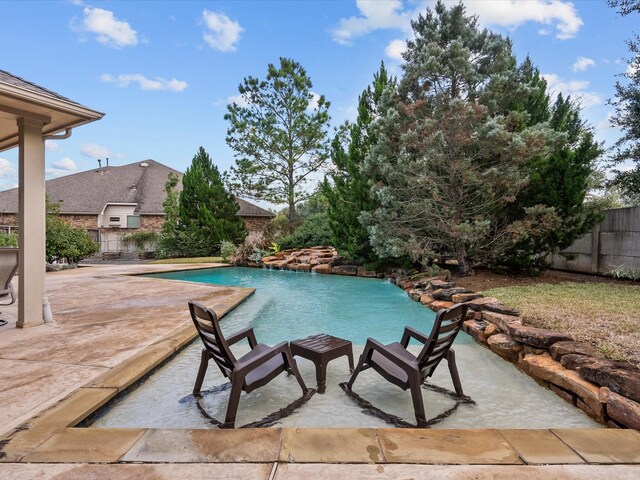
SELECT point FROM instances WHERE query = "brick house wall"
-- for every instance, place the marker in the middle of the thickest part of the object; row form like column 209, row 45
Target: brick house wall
column 256, row 224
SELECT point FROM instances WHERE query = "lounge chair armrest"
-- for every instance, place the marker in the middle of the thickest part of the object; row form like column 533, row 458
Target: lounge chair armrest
column 243, row 368
column 244, row 333
column 410, row 333
column 401, row 362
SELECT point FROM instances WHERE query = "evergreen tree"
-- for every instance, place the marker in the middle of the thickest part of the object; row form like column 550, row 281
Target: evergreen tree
column 349, row 193
column 168, row 242
column 278, row 136
column 207, row 211
column 450, row 154
column 557, row 182
column 627, row 112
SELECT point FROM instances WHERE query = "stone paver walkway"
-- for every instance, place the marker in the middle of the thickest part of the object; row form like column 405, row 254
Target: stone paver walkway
column 112, row 329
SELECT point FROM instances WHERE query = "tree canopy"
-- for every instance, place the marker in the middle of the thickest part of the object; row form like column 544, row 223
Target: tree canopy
column 278, row 133
column 207, row 212
column 450, row 151
column 627, row 112
column 347, row 187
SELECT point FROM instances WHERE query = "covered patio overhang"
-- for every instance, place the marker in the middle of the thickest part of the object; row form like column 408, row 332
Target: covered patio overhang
column 29, row 115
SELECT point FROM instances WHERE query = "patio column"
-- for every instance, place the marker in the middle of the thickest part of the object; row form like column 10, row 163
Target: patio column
column 32, row 223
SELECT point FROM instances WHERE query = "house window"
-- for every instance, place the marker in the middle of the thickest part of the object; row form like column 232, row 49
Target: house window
column 114, row 219
column 133, row 221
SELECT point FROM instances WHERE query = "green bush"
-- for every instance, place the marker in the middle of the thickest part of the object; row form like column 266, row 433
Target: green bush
column 67, row 242
column 313, row 231
column 227, row 250
column 8, row 240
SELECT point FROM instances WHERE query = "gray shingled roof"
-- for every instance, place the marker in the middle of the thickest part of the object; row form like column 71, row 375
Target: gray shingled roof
column 88, row 192
column 8, row 78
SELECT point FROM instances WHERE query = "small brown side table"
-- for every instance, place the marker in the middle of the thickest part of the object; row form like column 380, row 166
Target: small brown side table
column 321, row 349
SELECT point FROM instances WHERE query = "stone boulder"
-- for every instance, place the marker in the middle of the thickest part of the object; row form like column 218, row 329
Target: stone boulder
column 301, row 267
column 438, row 305
column 560, row 349
column 415, row 294
column 437, row 284
column 476, row 329
column 574, row 360
column 272, row 258
column 322, row 268
column 464, row 297
column 498, row 307
column 477, row 303
column 447, row 293
column 622, row 409
column 546, row 368
column 491, row 329
column 624, row 381
column 363, row 272
column 501, row 321
column 427, row 299
column 504, row 346
column 536, row 337
column 345, row 270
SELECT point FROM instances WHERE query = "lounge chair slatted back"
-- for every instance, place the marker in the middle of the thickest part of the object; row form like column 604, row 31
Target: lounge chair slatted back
column 398, row 365
column 208, row 327
column 8, row 268
column 447, row 325
column 253, row 370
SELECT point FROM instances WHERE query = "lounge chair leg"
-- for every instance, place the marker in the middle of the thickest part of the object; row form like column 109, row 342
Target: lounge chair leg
column 204, row 363
column 234, row 401
column 293, row 368
column 453, row 370
column 418, row 405
column 356, row 371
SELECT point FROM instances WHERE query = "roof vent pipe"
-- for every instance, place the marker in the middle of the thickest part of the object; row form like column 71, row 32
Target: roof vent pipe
column 107, row 158
column 99, row 164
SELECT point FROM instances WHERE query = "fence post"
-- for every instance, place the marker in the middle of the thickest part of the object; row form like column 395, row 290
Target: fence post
column 595, row 249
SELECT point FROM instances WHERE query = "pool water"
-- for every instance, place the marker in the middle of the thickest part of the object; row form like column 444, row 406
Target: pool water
column 289, row 305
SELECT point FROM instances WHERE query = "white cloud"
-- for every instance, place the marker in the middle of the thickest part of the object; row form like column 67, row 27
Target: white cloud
column 577, row 89
column 62, row 167
column 632, row 69
column 238, row 99
column 605, row 123
column 108, row 29
column 92, row 150
column 512, row 14
column 66, row 164
column 51, row 146
column 374, row 15
column 6, row 169
column 222, row 33
column 582, row 63
column 146, row 84
column 395, row 49
column 313, row 102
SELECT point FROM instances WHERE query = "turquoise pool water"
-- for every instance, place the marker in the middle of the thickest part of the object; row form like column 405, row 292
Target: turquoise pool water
column 289, row 305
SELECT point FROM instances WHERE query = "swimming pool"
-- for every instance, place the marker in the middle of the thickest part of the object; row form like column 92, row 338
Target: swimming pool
column 289, row 305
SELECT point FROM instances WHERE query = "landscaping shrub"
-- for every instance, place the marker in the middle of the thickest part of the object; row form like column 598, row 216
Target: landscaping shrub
column 313, row 231
column 8, row 240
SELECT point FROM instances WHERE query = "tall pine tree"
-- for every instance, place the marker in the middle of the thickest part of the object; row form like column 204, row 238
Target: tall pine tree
column 208, row 212
column 349, row 193
column 558, row 182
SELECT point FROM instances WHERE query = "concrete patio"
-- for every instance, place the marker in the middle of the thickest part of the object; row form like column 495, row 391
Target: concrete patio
column 112, row 329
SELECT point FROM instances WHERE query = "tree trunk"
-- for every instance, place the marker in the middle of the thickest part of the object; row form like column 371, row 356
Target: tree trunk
column 464, row 266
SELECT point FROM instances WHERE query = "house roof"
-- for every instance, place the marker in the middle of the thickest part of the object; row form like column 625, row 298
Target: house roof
column 21, row 98
column 88, row 192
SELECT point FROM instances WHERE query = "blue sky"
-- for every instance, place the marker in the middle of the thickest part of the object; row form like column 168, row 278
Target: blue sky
column 163, row 72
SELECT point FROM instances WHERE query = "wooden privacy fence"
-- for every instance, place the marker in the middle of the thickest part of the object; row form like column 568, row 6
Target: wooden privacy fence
column 615, row 242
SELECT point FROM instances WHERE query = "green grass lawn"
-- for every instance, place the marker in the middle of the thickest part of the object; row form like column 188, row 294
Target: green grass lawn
column 190, row 260
column 606, row 315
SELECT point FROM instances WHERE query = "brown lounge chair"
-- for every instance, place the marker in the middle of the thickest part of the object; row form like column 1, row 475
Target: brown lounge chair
column 253, row 370
column 397, row 365
column 8, row 269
